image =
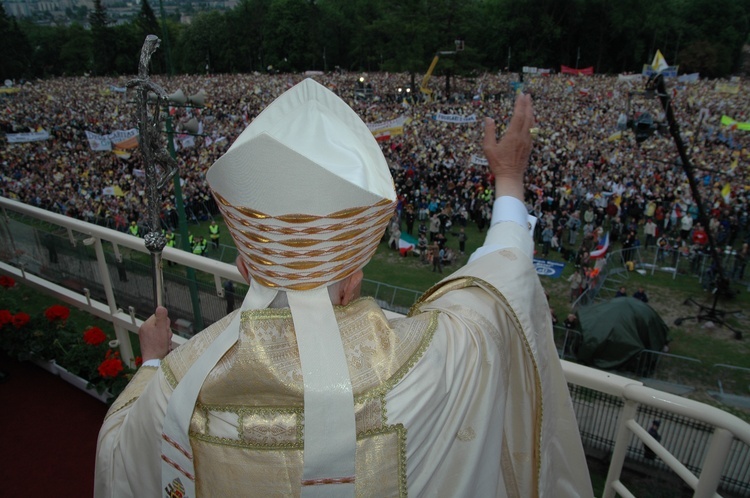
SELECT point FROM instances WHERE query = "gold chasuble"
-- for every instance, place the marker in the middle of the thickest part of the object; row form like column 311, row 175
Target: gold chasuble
column 464, row 397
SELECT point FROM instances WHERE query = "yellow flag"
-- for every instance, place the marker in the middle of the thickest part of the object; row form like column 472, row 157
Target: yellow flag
column 659, row 64
column 726, row 191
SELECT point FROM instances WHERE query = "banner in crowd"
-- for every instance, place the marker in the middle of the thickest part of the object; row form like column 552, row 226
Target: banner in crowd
column 98, row 142
column 113, row 191
column 571, row 70
column 124, row 139
column 118, row 139
column 689, row 78
column 730, row 87
column 118, row 89
column 629, row 77
column 536, row 70
column 669, row 72
column 20, row 138
column 480, row 160
column 9, row 89
column 454, row 118
column 184, row 141
column 548, row 268
column 735, row 125
column 385, row 129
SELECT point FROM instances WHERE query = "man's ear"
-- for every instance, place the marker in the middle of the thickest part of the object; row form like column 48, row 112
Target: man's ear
column 350, row 287
column 242, row 268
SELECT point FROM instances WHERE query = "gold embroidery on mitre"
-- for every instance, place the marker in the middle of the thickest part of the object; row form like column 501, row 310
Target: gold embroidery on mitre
column 302, row 218
column 234, row 220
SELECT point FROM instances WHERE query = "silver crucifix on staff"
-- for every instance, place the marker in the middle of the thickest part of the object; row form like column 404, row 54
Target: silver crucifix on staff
column 149, row 129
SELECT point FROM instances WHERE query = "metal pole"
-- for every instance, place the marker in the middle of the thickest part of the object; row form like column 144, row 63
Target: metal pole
column 182, row 227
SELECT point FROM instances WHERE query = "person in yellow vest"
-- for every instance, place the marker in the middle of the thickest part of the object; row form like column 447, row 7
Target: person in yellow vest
column 170, row 238
column 133, row 229
column 199, row 246
column 191, row 240
column 169, row 235
column 309, row 389
column 213, row 229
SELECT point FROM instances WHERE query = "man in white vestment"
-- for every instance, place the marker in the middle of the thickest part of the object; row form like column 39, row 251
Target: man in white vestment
column 308, row 389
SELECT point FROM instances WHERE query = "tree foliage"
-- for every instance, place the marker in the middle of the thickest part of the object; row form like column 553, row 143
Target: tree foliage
column 101, row 38
column 296, row 35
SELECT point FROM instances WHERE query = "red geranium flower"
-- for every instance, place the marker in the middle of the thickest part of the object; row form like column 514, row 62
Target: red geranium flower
column 6, row 281
column 57, row 312
column 5, row 317
column 138, row 361
column 110, row 367
column 94, row 336
column 20, row 319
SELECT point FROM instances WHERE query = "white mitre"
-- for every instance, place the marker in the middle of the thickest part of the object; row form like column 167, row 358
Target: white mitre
column 306, row 194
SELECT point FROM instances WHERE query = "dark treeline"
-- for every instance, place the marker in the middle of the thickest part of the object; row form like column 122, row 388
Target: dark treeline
column 704, row 36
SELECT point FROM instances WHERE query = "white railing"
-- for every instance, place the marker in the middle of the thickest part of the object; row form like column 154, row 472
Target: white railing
column 633, row 394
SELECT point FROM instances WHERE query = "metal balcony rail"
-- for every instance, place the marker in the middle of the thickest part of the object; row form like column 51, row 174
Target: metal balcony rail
column 708, row 448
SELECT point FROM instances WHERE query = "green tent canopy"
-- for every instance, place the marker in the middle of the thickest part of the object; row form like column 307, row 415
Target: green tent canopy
column 615, row 331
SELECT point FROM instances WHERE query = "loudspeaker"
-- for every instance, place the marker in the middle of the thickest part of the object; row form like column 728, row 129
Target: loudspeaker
column 198, row 99
column 191, row 126
column 178, row 97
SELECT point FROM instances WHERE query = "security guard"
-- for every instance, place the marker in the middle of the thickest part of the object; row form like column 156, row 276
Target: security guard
column 170, row 243
column 213, row 228
column 199, row 246
column 133, row 229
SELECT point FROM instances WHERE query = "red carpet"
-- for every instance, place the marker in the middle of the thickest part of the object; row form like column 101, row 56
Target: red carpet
column 48, row 430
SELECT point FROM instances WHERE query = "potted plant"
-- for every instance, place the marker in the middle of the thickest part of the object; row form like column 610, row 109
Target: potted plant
column 88, row 359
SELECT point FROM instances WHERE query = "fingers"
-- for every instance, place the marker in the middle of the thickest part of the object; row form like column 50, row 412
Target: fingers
column 155, row 335
column 523, row 115
column 521, row 122
column 490, row 130
column 161, row 317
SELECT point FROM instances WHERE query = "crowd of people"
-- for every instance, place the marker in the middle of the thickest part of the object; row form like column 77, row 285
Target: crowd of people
column 586, row 177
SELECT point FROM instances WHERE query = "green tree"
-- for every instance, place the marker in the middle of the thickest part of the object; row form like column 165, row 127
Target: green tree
column 245, row 27
column 75, row 51
column 15, row 56
column 717, row 31
column 206, row 43
column 101, row 35
column 127, row 47
column 289, row 41
column 147, row 24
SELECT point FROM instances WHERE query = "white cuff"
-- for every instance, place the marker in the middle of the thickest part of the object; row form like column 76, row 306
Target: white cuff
column 507, row 208
column 508, row 215
column 152, row 363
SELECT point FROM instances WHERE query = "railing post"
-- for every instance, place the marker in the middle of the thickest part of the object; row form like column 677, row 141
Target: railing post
column 713, row 463
column 123, row 336
column 628, row 412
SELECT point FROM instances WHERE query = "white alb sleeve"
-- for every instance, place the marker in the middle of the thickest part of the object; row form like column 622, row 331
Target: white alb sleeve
column 511, row 226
